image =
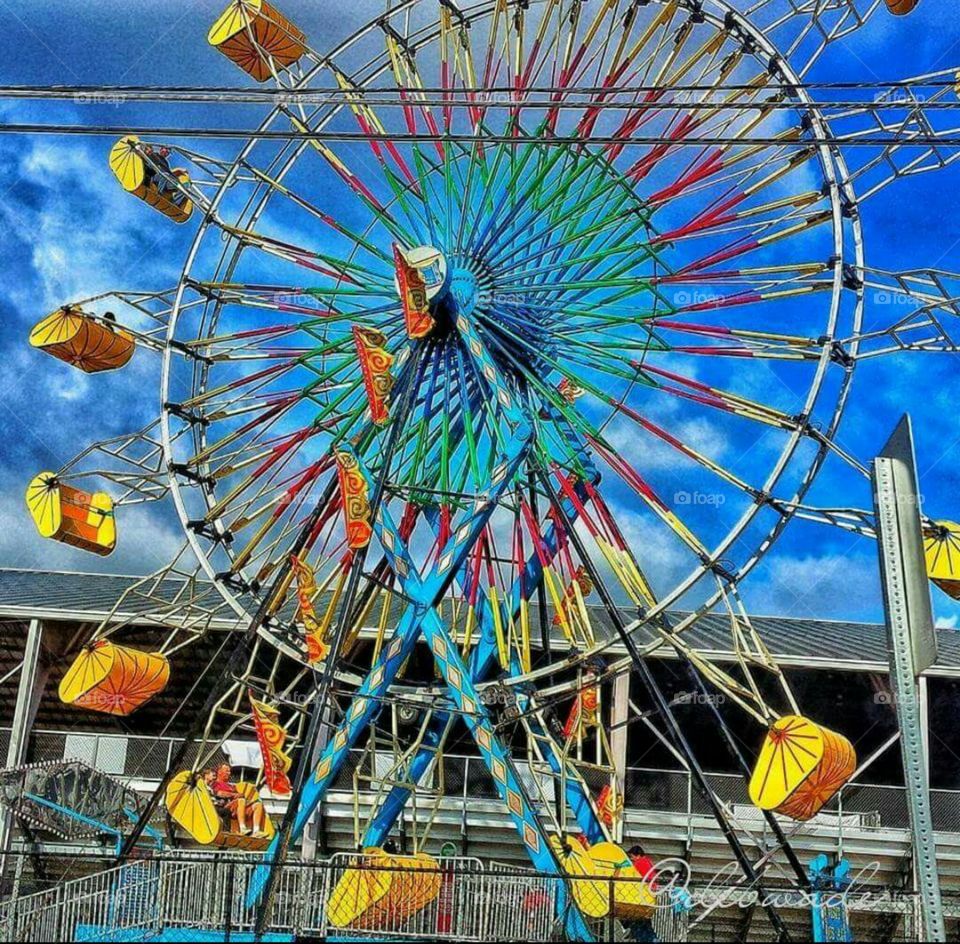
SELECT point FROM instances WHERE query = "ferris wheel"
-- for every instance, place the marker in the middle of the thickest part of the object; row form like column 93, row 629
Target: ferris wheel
column 518, row 331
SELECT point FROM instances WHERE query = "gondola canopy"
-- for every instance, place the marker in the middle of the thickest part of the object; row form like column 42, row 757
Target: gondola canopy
column 77, row 338
column 72, row 516
column 258, row 38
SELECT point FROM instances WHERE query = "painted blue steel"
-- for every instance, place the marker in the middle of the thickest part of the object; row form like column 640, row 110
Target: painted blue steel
column 367, row 701
column 94, row 823
column 466, row 698
column 421, row 617
column 484, row 658
column 483, row 661
column 487, row 233
column 828, row 902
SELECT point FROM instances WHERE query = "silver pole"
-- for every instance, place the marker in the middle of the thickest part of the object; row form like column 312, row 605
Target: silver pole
column 911, row 643
column 28, row 694
column 619, row 713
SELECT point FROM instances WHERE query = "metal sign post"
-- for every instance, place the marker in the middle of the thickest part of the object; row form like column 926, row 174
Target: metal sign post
column 912, row 648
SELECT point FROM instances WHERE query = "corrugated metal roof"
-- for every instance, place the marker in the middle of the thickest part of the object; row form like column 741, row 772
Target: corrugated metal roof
column 76, row 593
column 826, row 643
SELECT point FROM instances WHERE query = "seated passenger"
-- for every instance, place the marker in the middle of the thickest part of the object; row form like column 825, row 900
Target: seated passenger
column 157, row 171
column 644, row 865
column 231, row 805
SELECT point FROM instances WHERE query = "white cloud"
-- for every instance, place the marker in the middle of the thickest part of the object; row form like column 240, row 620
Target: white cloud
column 829, row 586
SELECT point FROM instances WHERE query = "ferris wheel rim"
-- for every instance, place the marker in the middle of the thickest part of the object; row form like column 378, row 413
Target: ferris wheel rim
column 830, row 160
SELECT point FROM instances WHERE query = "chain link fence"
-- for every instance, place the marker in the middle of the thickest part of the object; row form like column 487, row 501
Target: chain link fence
column 180, row 898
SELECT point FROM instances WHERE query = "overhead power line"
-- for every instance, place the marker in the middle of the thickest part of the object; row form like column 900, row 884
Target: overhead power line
column 599, row 97
column 898, row 136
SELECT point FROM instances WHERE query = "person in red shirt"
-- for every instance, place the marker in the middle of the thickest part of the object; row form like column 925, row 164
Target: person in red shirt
column 642, row 930
column 644, row 865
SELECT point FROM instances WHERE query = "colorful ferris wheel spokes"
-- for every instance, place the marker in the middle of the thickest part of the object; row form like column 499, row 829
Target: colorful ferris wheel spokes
column 512, row 332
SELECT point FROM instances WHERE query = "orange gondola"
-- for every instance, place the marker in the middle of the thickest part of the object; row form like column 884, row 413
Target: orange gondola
column 258, row 38
column 800, row 768
column 356, row 502
column 420, row 275
column 901, row 7
column 413, row 295
column 271, row 736
column 382, row 891
column 90, row 343
column 313, row 629
column 130, row 167
column 114, row 679
column 375, row 362
column 609, row 806
column 72, row 516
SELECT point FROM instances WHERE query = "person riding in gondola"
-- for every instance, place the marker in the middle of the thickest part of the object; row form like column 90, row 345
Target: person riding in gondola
column 231, row 805
column 157, row 171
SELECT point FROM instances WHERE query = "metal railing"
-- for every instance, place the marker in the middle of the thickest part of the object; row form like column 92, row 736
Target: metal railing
column 123, row 899
column 186, row 897
column 176, row 897
column 863, row 806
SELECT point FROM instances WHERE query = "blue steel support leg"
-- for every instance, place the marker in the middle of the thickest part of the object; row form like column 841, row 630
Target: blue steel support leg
column 466, row 698
column 367, row 702
column 483, row 658
column 483, row 661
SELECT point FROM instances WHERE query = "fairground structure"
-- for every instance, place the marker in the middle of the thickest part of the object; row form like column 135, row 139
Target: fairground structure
column 505, row 348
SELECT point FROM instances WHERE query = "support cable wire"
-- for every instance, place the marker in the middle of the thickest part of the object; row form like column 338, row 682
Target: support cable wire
column 394, row 96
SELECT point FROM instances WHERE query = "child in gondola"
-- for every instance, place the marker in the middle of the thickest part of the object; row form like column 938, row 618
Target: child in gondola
column 228, row 800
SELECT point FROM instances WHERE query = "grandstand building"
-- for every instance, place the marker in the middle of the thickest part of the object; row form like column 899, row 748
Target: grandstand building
column 840, row 669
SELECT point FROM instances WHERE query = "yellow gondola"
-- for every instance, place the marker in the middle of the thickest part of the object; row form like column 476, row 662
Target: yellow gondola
column 190, row 805
column 941, row 547
column 360, row 889
column 350, row 898
column 73, row 336
column 404, row 886
column 257, row 37
column 72, row 516
column 630, row 896
column 130, row 168
column 800, row 768
column 590, row 892
column 901, row 7
column 114, row 679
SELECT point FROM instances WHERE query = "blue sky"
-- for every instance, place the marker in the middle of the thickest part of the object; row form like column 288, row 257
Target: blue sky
column 68, row 231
